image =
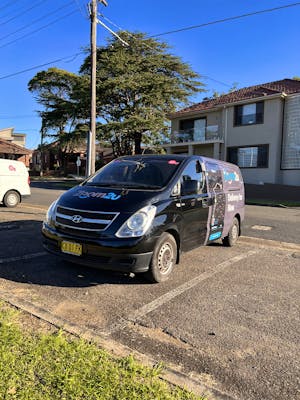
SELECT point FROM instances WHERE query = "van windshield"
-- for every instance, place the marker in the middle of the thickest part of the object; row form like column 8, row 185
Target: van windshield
column 136, row 173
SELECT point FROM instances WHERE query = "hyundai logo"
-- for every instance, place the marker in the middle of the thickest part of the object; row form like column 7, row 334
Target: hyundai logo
column 77, row 219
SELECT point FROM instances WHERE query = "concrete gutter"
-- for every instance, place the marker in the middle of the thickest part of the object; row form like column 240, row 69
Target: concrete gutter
column 172, row 374
column 259, row 242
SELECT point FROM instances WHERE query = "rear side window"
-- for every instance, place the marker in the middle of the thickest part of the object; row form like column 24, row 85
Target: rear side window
column 148, row 174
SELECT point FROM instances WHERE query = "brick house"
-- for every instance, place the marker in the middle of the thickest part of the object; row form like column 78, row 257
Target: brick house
column 54, row 161
column 12, row 146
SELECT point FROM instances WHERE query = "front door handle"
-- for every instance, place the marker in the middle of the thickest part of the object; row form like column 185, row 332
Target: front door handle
column 206, row 202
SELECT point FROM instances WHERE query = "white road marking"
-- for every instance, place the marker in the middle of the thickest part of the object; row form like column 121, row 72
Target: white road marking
column 153, row 305
column 25, row 257
column 261, row 227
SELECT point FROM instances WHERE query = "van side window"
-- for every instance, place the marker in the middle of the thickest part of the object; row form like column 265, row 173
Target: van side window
column 193, row 172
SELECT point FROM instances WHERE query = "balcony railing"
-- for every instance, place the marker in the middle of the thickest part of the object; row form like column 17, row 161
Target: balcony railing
column 202, row 135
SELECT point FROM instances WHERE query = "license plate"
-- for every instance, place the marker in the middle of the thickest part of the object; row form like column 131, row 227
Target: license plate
column 71, row 248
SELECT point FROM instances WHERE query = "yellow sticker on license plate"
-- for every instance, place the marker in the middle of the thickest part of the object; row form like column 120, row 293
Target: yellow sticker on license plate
column 71, row 248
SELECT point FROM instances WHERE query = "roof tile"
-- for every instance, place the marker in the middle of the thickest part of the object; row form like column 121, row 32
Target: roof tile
column 10, row 148
column 287, row 86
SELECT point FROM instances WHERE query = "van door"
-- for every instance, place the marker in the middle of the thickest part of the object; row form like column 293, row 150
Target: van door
column 194, row 206
column 216, row 191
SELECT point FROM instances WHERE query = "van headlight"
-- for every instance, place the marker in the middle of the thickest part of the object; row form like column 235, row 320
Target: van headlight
column 50, row 215
column 138, row 224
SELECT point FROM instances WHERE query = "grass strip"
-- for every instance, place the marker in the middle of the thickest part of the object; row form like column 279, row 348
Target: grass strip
column 42, row 366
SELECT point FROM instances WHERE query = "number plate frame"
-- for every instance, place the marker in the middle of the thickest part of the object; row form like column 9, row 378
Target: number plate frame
column 75, row 249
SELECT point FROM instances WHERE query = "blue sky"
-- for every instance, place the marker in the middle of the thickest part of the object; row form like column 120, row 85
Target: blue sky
column 248, row 51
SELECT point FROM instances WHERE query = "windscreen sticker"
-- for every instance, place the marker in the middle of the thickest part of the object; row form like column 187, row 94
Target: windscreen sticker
column 97, row 195
column 173, row 162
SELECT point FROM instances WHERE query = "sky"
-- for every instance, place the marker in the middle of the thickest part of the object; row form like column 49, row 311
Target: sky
column 246, row 51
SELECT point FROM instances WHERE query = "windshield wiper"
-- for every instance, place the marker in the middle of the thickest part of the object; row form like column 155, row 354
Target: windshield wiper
column 104, row 184
column 142, row 186
column 123, row 185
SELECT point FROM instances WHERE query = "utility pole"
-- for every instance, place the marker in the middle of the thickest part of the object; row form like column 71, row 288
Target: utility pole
column 91, row 147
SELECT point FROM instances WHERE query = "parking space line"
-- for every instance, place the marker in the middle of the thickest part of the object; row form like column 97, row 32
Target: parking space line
column 153, row 305
column 25, row 257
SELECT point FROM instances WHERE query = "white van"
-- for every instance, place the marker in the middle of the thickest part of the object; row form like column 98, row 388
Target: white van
column 14, row 182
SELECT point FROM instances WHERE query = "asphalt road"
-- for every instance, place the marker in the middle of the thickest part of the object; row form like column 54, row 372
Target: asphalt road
column 229, row 318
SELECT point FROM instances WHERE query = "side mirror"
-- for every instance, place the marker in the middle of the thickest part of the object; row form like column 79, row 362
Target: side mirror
column 190, row 186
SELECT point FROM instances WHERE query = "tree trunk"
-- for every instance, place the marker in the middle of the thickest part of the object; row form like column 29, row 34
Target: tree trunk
column 65, row 162
column 137, row 143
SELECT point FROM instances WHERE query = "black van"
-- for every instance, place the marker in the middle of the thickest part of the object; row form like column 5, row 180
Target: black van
column 137, row 213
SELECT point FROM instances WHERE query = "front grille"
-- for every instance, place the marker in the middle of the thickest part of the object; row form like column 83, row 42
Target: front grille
column 82, row 220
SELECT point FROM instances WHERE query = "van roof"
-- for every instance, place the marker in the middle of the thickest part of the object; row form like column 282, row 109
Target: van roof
column 5, row 160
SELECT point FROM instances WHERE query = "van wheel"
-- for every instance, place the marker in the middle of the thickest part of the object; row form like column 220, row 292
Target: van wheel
column 163, row 259
column 233, row 234
column 11, row 198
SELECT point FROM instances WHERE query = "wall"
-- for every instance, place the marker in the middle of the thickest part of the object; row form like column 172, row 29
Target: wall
column 290, row 175
column 206, row 150
column 269, row 132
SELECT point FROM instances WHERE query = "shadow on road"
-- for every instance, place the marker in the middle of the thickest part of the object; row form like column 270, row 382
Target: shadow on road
column 56, row 185
column 21, row 261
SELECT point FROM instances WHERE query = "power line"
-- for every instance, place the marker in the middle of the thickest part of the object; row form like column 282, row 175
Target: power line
column 39, row 29
column 130, row 35
column 22, row 13
column 164, row 33
column 18, row 117
column 8, row 4
column 227, row 19
column 37, row 20
column 80, row 8
column 122, row 29
column 112, row 23
column 215, row 80
column 41, row 65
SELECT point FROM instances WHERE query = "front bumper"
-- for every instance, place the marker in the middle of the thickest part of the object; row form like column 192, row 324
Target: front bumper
column 117, row 255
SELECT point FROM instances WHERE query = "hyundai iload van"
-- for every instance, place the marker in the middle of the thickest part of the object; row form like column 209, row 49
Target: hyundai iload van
column 138, row 213
column 14, row 182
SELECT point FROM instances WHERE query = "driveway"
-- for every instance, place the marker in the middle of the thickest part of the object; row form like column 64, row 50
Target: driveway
column 228, row 318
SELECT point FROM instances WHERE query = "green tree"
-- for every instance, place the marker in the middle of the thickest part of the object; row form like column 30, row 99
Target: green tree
column 137, row 86
column 64, row 97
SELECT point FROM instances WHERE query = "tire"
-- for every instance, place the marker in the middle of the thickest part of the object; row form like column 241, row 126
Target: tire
column 233, row 234
column 163, row 259
column 11, row 199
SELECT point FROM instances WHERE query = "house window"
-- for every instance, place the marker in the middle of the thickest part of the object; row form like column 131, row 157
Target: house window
column 193, row 129
column 249, row 157
column 290, row 158
column 249, row 114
